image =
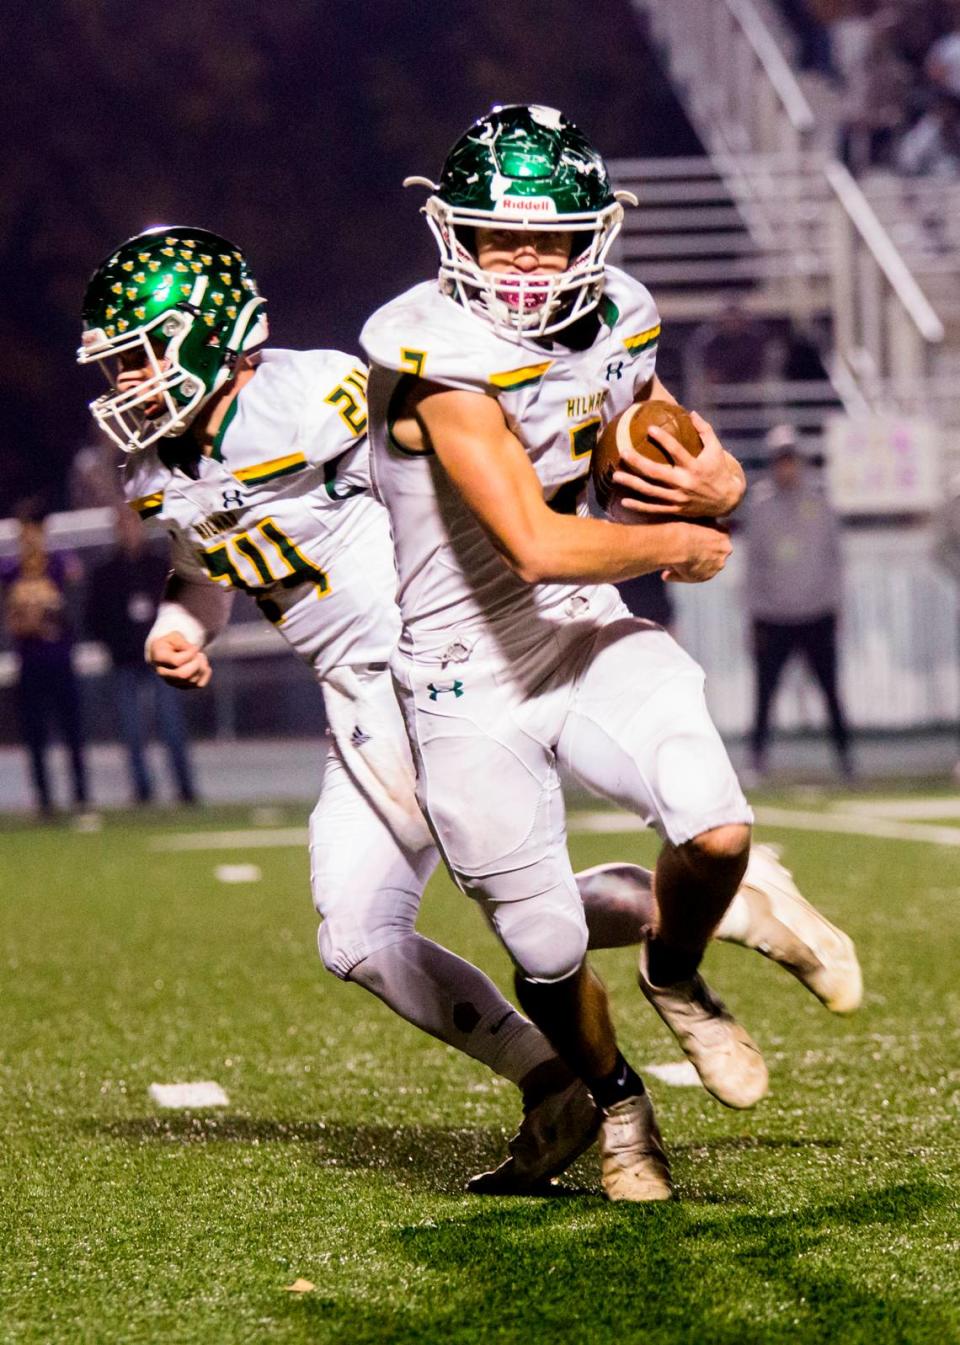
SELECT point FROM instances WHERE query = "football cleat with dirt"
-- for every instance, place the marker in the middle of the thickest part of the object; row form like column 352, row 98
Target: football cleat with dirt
column 769, row 914
column 551, row 1136
column 723, row 1053
column 633, row 1163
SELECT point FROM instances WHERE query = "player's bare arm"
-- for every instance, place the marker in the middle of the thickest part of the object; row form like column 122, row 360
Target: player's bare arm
column 491, row 470
column 707, row 486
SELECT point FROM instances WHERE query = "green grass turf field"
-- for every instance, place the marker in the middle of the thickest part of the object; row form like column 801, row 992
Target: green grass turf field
column 829, row 1214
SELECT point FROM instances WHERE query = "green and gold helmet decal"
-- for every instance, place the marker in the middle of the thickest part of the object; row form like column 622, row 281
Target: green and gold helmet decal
column 524, row 167
column 181, row 303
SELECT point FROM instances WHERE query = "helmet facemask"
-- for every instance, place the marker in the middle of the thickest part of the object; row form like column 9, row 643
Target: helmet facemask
column 523, row 305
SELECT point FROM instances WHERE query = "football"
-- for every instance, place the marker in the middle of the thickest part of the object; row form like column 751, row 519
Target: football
column 631, row 427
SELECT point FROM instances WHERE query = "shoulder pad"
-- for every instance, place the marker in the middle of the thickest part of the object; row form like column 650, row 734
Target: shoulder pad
column 633, row 317
column 430, row 336
column 321, row 397
column 335, row 414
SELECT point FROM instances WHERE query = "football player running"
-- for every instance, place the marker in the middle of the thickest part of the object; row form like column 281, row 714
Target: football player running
column 254, row 461
column 516, row 658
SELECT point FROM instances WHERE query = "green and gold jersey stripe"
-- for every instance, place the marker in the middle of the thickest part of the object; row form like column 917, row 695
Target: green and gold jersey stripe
column 642, row 339
column 148, row 505
column 269, row 471
column 513, row 379
column 231, row 411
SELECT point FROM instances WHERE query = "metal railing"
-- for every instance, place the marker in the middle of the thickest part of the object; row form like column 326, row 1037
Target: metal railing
column 885, row 327
column 748, row 227
column 737, row 86
column 810, row 239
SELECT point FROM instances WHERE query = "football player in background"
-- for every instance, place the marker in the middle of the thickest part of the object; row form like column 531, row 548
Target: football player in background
column 516, row 658
column 254, row 461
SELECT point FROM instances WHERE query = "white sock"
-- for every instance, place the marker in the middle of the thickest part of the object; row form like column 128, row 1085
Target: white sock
column 450, row 999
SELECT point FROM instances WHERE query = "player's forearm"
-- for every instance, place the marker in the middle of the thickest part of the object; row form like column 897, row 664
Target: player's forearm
column 197, row 610
column 586, row 550
column 738, row 483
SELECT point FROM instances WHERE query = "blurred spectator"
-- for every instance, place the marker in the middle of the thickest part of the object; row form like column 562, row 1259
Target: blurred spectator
column 879, row 88
column 793, row 587
column 94, row 481
column 802, row 358
column 36, row 609
column 813, row 36
column 733, row 349
column 123, row 598
column 895, row 61
column 942, row 64
column 932, row 146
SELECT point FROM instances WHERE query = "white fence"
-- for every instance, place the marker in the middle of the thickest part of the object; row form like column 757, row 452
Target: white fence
column 748, row 109
column 899, row 639
column 900, row 651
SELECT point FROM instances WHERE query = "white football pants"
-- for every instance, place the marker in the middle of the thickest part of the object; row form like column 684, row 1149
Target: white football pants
column 613, row 700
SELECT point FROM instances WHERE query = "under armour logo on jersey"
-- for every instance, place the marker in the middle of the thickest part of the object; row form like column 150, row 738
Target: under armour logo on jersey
column 614, row 370
column 358, row 738
column 233, row 499
column 438, row 688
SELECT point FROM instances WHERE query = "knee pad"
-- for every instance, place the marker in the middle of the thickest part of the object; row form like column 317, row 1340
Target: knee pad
column 356, row 928
column 545, row 931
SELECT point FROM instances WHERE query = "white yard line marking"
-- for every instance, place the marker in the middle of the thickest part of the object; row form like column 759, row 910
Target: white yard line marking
column 676, row 1073
column 597, row 823
column 903, row 810
column 794, row 819
column 237, row 873
column 277, row 839
column 851, row 825
column 206, row 1093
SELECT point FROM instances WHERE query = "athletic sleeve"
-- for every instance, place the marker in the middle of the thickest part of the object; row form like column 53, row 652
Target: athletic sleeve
column 192, row 602
column 144, row 479
column 636, row 324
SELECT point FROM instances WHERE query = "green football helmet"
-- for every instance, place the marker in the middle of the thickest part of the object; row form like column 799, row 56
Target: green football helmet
column 181, row 301
column 524, row 167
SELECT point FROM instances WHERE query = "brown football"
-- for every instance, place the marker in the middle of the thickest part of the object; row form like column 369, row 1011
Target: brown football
column 632, row 427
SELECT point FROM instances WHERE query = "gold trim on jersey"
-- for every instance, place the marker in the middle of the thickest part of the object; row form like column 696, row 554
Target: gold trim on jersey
column 413, row 360
column 268, row 471
column 642, row 339
column 583, row 437
column 148, row 505
column 511, row 380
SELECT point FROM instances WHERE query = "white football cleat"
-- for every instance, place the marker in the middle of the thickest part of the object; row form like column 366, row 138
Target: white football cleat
column 723, row 1053
column 782, row 925
column 551, row 1136
column 633, row 1163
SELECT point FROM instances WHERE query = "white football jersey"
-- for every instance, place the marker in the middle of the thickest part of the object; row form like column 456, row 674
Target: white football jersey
column 282, row 509
column 554, row 399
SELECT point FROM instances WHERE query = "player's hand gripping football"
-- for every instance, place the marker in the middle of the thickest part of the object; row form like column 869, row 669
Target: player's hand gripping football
column 705, row 549
column 702, row 487
column 180, row 663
